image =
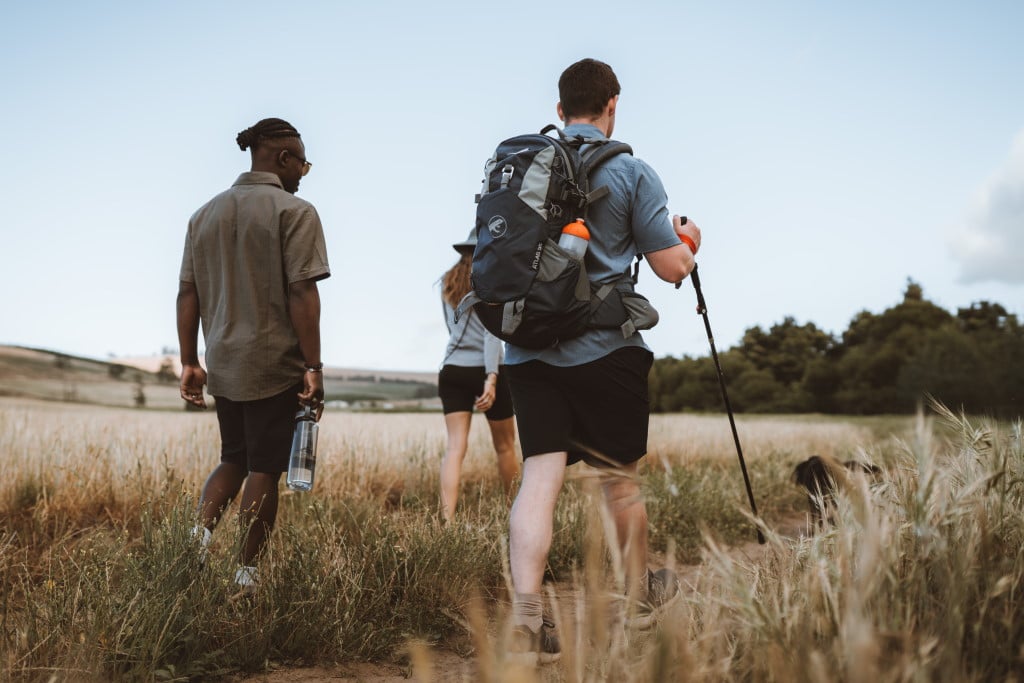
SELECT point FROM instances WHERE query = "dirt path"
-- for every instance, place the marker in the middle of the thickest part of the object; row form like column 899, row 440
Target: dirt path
column 448, row 666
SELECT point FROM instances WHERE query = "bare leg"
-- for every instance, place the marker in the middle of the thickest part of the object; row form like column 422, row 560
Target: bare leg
column 219, row 490
column 629, row 513
column 531, row 523
column 258, row 512
column 457, row 425
column 503, row 434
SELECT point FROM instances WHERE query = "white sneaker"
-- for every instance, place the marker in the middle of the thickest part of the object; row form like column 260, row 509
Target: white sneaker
column 246, row 578
column 202, row 536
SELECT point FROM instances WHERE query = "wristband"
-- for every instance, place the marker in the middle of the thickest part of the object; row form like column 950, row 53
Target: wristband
column 685, row 239
column 316, row 367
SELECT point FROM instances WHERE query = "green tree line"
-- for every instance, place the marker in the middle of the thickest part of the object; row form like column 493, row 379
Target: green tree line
column 885, row 363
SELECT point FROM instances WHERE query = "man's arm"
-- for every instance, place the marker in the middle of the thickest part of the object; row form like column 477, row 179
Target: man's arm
column 304, row 309
column 675, row 263
column 193, row 377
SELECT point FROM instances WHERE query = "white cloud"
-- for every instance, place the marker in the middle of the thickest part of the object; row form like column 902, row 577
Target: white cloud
column 991, row 245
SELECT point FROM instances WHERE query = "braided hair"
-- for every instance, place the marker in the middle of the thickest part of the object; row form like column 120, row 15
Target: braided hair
column 267, row 129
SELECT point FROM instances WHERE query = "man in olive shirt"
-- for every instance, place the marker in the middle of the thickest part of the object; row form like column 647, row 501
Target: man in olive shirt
column 253, row 256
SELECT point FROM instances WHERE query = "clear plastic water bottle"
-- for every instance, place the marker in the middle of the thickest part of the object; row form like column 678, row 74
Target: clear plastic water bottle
column 302, row 461
column 575, row 238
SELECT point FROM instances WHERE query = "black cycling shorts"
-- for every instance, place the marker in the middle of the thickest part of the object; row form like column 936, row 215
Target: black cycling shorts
column 257, row 435
column 597, row 412
column 458, row 387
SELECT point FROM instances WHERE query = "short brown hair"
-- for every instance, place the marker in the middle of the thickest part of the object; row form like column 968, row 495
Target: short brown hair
column 585, row 88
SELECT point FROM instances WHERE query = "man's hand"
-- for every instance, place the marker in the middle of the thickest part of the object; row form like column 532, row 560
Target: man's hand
column 313, row 392
column 193, row 378
column 674, row 263
column 688, row 229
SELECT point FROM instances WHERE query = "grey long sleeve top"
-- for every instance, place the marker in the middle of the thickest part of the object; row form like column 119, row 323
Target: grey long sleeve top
column 469, row 342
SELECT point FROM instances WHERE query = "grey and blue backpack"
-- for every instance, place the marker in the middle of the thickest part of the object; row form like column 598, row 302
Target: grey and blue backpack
column 527, row 290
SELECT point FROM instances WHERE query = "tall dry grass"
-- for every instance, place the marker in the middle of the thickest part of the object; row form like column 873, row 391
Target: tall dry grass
column 919, row 579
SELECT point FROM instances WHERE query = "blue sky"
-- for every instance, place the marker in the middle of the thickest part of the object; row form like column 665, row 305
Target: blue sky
column 828, row 152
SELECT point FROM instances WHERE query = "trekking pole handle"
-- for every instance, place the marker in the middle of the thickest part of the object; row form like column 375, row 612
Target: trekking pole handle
column 682, row 222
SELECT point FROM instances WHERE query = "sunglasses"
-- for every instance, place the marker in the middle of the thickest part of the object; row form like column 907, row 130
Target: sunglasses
column 305, row 164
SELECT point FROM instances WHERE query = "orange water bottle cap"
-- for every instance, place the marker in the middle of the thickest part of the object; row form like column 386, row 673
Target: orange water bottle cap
column 577, row 228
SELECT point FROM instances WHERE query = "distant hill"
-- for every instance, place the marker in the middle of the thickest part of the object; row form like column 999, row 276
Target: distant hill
column 155, row 362
column 152, row 382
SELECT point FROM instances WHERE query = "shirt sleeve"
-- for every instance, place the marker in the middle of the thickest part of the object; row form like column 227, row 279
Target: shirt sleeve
column 303, row 248
column 652, row 225
column 187, row 273
column 449, row 314
column 492, row 353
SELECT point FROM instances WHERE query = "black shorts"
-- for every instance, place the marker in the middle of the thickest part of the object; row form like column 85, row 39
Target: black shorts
column 598, row 412
column 458, row 387
column 257, row 435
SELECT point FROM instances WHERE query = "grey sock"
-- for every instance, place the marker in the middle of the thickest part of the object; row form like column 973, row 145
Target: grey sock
column 528, row 611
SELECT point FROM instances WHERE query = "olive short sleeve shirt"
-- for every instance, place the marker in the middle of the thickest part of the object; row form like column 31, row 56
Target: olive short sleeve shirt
column 243, row 248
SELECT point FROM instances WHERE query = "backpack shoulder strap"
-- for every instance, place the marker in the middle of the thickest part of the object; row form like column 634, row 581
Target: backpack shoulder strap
column 466, row 303
column 596, row 155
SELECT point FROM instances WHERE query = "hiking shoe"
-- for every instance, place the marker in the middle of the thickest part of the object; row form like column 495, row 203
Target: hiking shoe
column 245, row 583
column 662, row 590
column 532, row 648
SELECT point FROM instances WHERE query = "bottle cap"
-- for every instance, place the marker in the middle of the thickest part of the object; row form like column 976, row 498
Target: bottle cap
column 576, row 228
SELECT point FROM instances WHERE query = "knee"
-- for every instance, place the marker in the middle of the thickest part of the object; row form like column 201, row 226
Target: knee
column 623, row 492
column 269, row 479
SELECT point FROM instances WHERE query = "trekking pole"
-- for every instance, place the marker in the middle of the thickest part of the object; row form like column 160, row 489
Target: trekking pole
column 702, row 310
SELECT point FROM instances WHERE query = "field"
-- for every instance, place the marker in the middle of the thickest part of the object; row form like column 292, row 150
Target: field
column 920, row 577
column 152, row 382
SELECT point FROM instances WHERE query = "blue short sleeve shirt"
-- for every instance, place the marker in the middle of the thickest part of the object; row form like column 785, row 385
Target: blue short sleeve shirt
column 632, row 219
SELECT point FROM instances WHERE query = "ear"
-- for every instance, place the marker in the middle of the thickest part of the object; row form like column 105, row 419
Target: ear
column 281, row 159
column 558, row 110
column 612, row 104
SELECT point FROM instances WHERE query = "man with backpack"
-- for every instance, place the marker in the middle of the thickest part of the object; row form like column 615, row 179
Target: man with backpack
column 585, row 398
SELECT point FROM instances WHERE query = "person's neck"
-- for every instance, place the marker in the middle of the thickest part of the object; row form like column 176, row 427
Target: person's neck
column 601, row 123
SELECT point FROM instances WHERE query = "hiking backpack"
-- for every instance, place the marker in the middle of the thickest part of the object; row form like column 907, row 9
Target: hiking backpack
column 527, row 290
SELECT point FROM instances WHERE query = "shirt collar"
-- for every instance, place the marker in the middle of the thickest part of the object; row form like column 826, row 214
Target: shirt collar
column 587, row 130
column 258, row 178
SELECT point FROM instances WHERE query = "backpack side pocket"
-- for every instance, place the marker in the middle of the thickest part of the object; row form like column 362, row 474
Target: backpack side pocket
column 619, row 307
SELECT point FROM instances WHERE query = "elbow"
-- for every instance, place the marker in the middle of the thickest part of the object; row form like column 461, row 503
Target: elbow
column 687, row 267
column 676, row 272
column 673, row 264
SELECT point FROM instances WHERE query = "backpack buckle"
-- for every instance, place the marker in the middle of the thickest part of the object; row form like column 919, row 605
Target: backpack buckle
column 506, row 175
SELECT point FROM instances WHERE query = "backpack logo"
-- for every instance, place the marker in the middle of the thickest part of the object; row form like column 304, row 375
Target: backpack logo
column 497, row 226
column 536, row 256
